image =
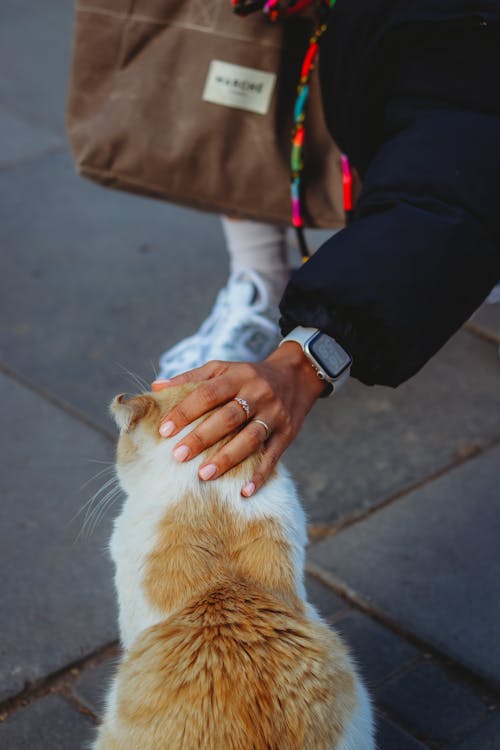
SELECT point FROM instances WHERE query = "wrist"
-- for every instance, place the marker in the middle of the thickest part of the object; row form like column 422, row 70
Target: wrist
column 291, row 355
column 331, row 362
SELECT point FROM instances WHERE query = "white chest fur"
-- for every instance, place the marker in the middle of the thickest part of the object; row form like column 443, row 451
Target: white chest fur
column 132, row 540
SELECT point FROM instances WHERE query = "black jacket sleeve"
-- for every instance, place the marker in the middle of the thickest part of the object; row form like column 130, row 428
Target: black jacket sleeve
column 422, row 252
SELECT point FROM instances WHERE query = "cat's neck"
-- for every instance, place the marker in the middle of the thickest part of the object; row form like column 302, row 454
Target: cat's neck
column 170, row 549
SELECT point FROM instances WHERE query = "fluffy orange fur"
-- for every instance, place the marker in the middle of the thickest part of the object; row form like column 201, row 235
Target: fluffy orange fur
column 233, row 669
column 236, row 664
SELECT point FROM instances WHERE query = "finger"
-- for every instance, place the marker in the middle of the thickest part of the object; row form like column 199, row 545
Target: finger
column 206, row 397
column 243, row 445
column 274, row 449
column 205, row 372
column 222, row 422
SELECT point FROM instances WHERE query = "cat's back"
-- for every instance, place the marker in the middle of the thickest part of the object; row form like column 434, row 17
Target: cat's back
column 235, row 668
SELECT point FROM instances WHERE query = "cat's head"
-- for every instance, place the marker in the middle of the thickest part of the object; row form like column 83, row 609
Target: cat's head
column 144, row 460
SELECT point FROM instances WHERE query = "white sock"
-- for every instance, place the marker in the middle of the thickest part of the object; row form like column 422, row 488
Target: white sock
column 261, row 247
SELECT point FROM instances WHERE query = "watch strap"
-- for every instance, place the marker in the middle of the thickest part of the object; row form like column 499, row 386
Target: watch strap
column 302, row 335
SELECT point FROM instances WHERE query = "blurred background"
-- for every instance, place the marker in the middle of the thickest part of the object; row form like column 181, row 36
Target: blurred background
column 401, row 487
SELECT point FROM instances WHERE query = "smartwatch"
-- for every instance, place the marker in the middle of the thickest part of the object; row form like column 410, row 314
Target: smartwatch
column 330, row 360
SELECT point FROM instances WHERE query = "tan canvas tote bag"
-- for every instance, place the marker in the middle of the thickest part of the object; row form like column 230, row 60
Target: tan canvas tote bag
column 183, row 101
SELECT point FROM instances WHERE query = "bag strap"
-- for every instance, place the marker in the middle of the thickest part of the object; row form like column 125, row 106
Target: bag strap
column 277, row 10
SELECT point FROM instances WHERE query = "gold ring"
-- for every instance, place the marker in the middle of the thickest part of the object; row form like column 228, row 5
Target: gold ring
column 244, row 405
column 264, row 425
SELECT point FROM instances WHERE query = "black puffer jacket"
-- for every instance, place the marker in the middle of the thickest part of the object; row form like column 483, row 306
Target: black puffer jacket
column 411, row 92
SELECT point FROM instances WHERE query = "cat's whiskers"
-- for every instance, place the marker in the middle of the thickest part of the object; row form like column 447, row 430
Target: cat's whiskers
column 94, row 503
column 154, row 368
column 103, row 506
column 95, row 515
column 86, row 505
column 136, row 379
column 108, row 468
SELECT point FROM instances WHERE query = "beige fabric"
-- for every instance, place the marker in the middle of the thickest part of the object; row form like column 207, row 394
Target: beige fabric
column 137, row 120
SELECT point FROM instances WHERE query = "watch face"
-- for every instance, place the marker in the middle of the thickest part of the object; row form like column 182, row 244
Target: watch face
column 330, row 356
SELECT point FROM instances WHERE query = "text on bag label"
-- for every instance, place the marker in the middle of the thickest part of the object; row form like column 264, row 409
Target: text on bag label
column 239, row 87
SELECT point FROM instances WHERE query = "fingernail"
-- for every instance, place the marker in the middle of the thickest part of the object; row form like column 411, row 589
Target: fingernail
column 167, row 428
column 181, row 453
column 248, row 489
column 208, row 471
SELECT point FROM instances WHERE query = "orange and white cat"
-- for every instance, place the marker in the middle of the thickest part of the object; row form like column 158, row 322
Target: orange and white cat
column 221, row 650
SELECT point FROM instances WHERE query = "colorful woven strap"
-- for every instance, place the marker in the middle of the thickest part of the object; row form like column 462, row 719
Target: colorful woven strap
column 276, row 10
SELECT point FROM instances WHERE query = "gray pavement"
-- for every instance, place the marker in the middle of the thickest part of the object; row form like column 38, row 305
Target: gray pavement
column 401, row 487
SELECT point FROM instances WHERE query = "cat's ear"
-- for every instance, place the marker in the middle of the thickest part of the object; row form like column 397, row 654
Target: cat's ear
column 128, row 411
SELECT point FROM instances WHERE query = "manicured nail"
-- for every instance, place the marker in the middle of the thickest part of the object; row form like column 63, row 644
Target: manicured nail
column 167, row 428
column 181, row 453
column 248, row 489
column 208, row 471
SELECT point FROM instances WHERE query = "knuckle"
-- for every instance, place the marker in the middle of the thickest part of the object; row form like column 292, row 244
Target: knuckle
column 271, row 457
column 195, row 441
column 216, row 367
column 223, row 461
column 207, row 394
column 179, row 416
column 286, row 423
column 234, row 416
column 255, row 433
column 249, row 370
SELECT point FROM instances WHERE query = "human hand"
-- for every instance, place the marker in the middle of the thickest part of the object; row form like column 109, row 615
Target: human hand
column 280, row 391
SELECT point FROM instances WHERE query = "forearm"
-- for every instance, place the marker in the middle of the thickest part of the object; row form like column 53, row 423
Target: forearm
column 420, row 256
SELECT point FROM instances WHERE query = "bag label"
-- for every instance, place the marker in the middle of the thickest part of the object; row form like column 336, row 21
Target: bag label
column 239, row 87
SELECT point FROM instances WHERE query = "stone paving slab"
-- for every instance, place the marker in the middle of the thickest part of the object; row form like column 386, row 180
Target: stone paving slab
column 431, row 704
column 91, row 686
column 431, row 562
column 111, row 279
column 35, row 43
column 20, row 141
column 48, row 724
column 390, row 737
column 329, row 605
column 487, row 320
column 104, row 276
column 377, row 651
column 371, row 443
column 57, row 597
column 486, row 738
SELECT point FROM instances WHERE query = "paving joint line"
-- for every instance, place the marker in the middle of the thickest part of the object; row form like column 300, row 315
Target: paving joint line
column 481, row 332
column 60, row 403
column 319, row 531
column 455, row 735
column 50, row 151
column 33, row 121
column 73, row 701
column 396, row 721
column 345, row 592
column 57, row 682
column 405, row 668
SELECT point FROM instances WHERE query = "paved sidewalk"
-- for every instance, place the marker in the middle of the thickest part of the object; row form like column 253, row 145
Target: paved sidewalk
column 401, row 487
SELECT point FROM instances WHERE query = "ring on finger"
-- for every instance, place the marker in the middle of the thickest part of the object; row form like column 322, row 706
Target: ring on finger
column 244, row 405
column 265, row 426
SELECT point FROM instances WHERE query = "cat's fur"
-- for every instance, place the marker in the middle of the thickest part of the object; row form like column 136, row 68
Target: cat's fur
column 221, row 649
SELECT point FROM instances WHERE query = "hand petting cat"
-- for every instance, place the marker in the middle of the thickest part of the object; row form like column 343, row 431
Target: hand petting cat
column 269, row 400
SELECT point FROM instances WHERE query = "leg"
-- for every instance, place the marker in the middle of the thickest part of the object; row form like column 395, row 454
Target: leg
column 243, row 323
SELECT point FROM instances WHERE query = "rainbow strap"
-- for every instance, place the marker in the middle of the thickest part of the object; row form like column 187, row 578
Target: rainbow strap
column 276, row 10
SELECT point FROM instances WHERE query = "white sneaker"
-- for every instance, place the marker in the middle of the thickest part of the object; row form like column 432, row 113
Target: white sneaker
column 242, row 327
